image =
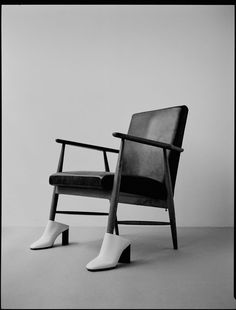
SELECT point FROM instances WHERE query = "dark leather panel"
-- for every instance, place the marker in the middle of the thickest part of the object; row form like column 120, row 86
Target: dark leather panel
column 143, row 166
column 164, row 125
column 104, row 180
column 78, row 178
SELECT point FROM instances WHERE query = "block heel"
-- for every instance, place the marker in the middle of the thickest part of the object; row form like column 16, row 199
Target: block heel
column 125, row 256
column 114, row 249
column 65, row 237
column 52, row 230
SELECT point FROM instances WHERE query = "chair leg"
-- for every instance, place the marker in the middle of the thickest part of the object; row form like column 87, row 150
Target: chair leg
column 53, row 205
column 116, row 227
column 170, row 200
column 113, row 246
column 173, row 223
column 112, row 220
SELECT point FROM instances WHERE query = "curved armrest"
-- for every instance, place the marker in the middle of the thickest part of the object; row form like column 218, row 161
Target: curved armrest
column 89, row 146
column 148, row 142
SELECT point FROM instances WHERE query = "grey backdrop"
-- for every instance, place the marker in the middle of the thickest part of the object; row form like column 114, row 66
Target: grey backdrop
column 80, row 72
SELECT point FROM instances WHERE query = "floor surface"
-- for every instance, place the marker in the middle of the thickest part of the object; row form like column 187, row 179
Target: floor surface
column 198, row 275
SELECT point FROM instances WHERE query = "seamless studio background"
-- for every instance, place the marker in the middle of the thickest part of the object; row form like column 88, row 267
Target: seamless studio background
column 80, row 72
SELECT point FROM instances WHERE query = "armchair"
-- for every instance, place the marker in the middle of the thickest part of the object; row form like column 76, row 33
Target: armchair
column 145, row 174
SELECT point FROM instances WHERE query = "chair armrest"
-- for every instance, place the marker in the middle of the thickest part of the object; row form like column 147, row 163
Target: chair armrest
column 148, row 142
column 90, row 146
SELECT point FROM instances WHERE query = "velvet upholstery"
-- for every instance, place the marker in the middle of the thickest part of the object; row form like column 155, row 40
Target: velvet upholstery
column 104, row 181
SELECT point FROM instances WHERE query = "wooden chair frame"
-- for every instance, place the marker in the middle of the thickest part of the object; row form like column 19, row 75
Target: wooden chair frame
column 115, row 196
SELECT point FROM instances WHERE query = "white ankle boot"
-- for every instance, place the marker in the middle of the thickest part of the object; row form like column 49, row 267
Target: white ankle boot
column 51, row 232
column 114, row 249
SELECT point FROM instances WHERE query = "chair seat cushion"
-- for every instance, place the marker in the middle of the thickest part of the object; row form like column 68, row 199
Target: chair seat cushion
column 104, row 181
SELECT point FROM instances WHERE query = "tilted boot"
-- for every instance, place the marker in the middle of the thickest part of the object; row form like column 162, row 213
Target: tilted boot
column 114, row 249
column 52, row 230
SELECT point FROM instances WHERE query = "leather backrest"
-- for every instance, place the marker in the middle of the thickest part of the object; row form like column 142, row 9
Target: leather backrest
column 164, row 125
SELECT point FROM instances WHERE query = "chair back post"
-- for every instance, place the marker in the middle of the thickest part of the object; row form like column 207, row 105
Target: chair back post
column 61, row 158
column 107, row 169
column 115, row 191
column 167, row 175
